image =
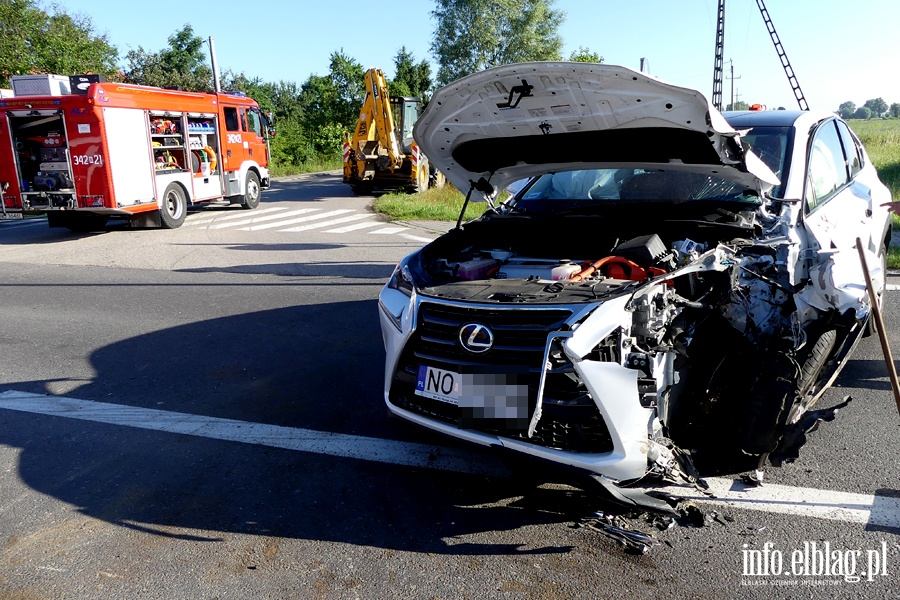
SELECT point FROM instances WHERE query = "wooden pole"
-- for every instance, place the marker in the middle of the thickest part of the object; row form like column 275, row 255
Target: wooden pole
column 879, row 323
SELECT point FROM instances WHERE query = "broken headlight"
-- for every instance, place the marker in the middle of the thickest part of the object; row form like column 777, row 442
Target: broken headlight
column 397, row 294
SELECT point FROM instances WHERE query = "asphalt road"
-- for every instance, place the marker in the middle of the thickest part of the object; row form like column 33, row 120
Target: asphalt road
column 197, row 413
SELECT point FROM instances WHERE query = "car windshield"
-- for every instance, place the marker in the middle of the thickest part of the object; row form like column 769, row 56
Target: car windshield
column 590, row 187
column 770, row 144
column 585, row 188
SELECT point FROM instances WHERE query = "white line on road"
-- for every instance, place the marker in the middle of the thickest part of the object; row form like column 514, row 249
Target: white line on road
column 872, row 510
column 388, row 231
column 247, row 221
column 832, row 505
column 324, row 215
column 416, row 238
column 262, row 434
column 328, row 223
column 204, row 219
column 892, row 287
column 354, row 227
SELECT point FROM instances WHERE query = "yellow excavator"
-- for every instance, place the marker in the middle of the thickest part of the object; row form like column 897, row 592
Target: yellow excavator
column 381, row 153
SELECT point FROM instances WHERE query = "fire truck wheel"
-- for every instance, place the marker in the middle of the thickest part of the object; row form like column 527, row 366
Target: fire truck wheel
column 251, row 196
column 174, row 207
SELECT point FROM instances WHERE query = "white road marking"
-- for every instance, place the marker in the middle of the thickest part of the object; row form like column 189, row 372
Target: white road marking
column 350, row 228
column 832, row 505
column 416, row 238
column 388, row 230
column 328, row 223
column 325, row 215
column 247, row 221
column 203, row 220
column 872, row 510
column 261, row 434
column 892, row 287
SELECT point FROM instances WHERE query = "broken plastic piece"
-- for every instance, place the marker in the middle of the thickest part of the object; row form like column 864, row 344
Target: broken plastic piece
column 795, row 436
column 616, row 529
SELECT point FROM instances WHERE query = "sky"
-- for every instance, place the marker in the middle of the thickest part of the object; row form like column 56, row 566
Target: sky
column 839, row 50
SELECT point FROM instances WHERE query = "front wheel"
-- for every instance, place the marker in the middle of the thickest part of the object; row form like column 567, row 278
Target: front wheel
column 174, row 207
column 251, row 195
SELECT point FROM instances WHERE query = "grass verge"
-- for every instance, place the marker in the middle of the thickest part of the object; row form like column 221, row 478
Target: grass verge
column 881, row 137
column 431, row 205
column 314, row 165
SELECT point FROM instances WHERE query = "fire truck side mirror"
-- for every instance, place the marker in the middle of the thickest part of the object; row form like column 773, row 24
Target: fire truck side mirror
column 270, row 124
column 271, row 132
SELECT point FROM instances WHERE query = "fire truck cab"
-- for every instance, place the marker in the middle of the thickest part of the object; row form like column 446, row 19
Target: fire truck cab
column 140, row 153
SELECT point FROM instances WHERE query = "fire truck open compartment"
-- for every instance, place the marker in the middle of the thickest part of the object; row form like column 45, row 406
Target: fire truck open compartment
column 139, row 153
column 42, row 159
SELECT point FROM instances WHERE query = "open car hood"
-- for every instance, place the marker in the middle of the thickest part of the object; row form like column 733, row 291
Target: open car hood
column 512, row 122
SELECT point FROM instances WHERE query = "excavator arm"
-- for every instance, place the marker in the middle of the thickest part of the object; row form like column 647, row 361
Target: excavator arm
column 375, row 137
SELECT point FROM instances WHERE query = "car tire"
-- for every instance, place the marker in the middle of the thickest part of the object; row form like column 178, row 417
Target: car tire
column 438, row 181
column 421, row 182
column 174, row 207
column 814, row 362
column 252, row 192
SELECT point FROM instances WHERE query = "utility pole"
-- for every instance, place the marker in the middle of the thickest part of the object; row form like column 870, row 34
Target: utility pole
column 732, row 78
column 720, row 53
column 215, row 67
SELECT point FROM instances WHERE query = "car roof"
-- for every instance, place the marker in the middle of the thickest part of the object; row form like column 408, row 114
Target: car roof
column 742, row 119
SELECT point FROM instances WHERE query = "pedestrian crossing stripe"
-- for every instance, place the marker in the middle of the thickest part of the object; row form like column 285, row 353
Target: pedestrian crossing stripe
column 328, row 223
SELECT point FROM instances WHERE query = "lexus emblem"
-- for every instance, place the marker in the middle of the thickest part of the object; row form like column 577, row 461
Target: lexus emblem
column 476, row 338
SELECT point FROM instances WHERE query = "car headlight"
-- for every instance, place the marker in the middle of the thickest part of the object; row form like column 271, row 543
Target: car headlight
column 392, row 303
column 402, row 280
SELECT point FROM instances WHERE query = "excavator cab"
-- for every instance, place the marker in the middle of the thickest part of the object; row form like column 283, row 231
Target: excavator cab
column 406, row 112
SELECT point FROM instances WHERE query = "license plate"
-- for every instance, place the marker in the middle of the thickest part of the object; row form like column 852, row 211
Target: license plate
column 438, row 384
column 10, row 216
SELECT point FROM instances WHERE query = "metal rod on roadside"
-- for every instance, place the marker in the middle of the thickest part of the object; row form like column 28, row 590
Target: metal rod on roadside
column 879, row 324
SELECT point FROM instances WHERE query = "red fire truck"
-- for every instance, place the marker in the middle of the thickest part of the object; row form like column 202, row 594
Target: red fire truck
column 125, row 151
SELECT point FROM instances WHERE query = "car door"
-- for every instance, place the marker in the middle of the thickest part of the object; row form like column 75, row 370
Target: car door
column 837, row 210
column 255, row 137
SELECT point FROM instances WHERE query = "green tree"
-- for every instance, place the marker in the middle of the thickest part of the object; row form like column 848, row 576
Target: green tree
column 894, row 110
column 471, row 35
column 585, row 55
column 35, row 41
column 846, row 109
column 410, row 78
column 330, row 103
column 877, row 105
column 739, row 105
column 863, row 112
column 182, row 64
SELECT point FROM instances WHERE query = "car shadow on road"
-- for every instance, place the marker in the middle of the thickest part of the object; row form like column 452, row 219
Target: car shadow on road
column 324, row 269
column 312, row 367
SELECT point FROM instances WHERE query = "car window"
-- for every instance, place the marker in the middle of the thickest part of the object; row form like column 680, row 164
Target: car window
column 827, row 169
column 597, row 186
column 851, row 148
column 231, row 119
column 254, row 122
column 770, row 145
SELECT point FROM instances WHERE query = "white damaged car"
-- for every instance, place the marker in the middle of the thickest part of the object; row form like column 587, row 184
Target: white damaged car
column 671, row 286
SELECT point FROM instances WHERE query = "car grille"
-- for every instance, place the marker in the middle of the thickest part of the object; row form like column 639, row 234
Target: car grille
column 569, row 421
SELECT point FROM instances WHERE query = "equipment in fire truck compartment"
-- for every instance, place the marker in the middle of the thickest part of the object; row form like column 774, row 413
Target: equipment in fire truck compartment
column 42, row 154
column 168, row 145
